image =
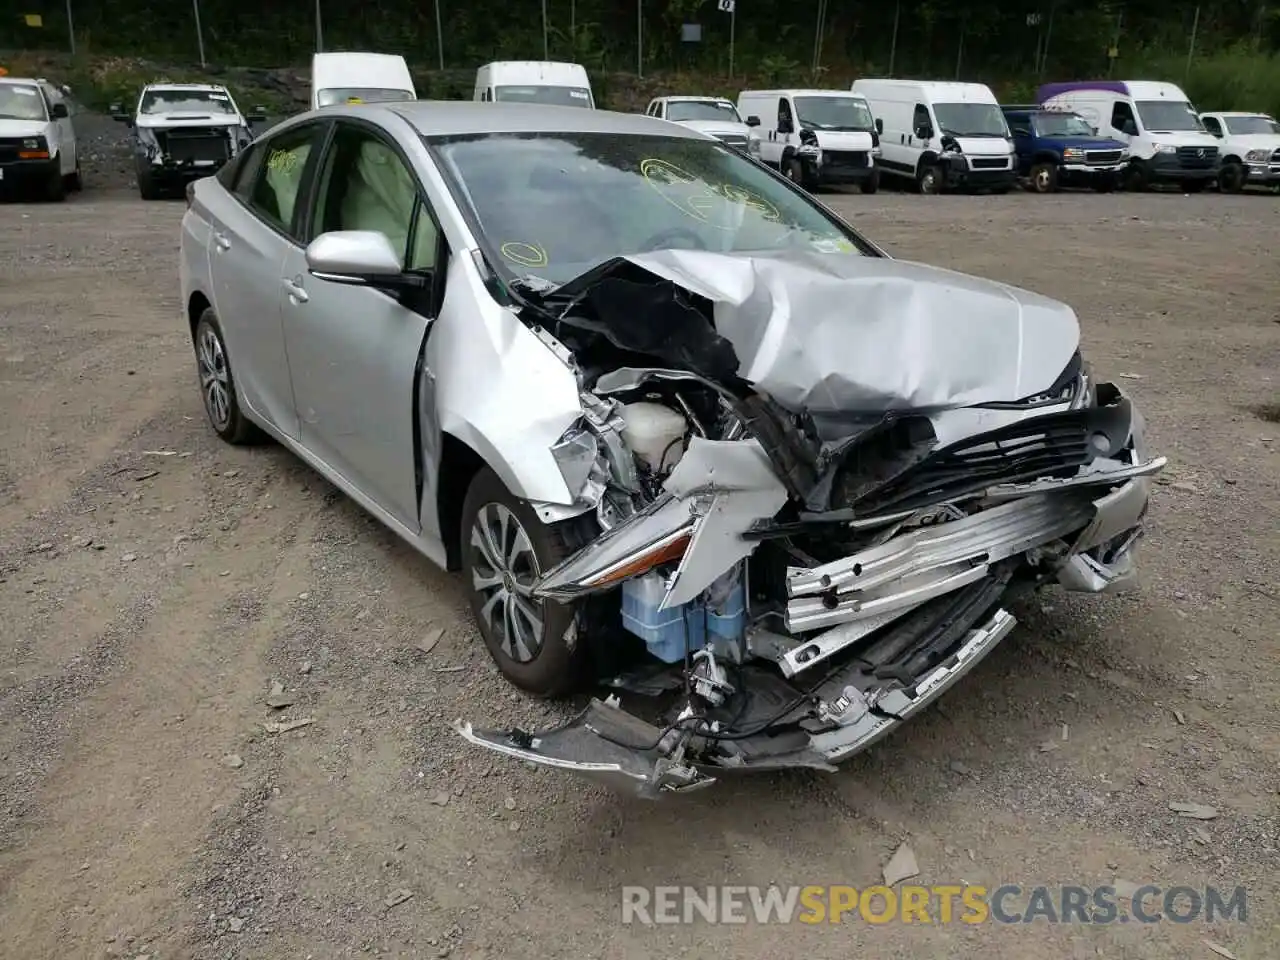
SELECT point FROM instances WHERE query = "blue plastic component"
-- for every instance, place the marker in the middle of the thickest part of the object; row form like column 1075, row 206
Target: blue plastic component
column 666, row 633
column 729, row 620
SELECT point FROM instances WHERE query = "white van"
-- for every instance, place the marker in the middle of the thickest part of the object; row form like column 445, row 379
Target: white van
column 1167, row 142
column 940, row 134
column 814, row 136
column 534, row 81
column 359, row 78
column 38, row 150
column 714, row 116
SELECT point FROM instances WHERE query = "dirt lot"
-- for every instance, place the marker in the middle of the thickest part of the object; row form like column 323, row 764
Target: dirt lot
column 154, row 583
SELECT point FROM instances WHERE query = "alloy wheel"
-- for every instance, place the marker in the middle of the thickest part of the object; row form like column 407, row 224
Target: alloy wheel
column 215, row 381
column 503, row 570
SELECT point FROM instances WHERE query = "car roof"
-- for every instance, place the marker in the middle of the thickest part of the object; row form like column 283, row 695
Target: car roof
column 180, row 87
column 694, row 98
column 443, row 118
column 1236, row 113
column 21, row 81
column 804, row 92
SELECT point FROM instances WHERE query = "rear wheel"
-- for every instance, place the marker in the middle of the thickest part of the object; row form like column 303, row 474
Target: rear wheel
column 1231, row 178
column 505, row 549
column 218, row 384
column 1044, row 177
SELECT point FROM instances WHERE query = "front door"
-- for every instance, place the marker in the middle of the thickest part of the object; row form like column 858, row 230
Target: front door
column 354, row 351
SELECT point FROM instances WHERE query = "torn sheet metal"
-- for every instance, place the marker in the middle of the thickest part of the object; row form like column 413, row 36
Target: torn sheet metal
column 835, row 333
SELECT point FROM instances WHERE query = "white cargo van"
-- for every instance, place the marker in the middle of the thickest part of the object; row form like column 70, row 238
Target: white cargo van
column 814, row 136
column 1167, row 142
column 534, row 81
column 359, row 78
column 941, row 134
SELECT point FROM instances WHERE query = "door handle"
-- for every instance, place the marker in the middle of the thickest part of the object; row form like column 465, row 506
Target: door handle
column 222, row 241
column 296, row 290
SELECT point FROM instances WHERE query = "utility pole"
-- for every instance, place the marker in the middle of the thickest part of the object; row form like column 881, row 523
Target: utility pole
column 71, row 29
column 195, row 5
column 1191, row 50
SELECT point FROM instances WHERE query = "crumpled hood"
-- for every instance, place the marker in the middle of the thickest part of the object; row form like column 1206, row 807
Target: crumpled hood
column 840, row 333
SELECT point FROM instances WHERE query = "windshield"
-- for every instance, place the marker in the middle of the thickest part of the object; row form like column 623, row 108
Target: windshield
column 834, row 113
column 337, row 95
column 21, row 102
column 562, row 96
column 702, row 110
column 553, row 206
column 1062, row 125
column 971, row 119
column 1250, row 125
column 186, row 101
column 1167, row 115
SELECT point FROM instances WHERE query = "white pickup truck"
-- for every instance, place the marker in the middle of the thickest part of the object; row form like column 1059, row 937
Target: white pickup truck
column 1250, row 149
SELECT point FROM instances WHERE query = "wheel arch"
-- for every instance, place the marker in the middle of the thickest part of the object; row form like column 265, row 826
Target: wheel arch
column 197, row 304
column 1233, row 158
column 927, row 159
column 459, row 464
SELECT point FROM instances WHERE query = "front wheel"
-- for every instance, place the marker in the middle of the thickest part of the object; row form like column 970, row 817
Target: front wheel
column 147, row 188
column 871, row 184
column 505, row 549
column 1231, row 178
column 929, row 180
column 1136, row 179
column 793, row 170
column 1044, row 177
column 55, row 190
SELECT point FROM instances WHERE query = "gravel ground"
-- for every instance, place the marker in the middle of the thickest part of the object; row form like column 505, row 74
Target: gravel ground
column 156, row 583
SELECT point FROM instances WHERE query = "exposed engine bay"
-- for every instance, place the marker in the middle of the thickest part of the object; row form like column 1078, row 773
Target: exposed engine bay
column 811, row 498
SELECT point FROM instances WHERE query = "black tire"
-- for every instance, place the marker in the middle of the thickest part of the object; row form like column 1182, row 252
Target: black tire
column 147, row 188
column 75, row 182
column 55, row 190
column 1136, row 179
column 1231, row 178
column 871, row 184
column 929, row 179
column 1193, row 186
column 554, row 663
column 218, row 384
column 1043, row 178
column 793, row 170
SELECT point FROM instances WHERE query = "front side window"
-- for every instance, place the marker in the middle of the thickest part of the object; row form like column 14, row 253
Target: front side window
column 186, row 101
column 1122, row 117
column 1213, row 126
column 21, row 101
column 555, row 205
column 702, row 110
column 275, row 191
column 1247, row 126
column 333, row 96
column 834, row 113
column 365, row 185
column 1062, row 125
column 535, row 93
column 920, row 118
column 971, row 119
column 1164, row 116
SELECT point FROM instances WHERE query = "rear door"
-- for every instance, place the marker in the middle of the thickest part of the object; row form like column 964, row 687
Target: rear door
column 354, row 351
column 250, row 238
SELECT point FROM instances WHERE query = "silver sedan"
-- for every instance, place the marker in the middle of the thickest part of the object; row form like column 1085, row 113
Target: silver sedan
column 681, row 428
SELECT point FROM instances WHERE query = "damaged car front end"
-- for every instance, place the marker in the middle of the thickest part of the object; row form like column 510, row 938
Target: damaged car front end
column 814, row 479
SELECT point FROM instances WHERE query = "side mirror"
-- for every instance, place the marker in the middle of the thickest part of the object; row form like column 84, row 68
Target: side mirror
column 880, row 127
column 59, row 111
column 753, row 121
column 363, row 258
column 66, row 89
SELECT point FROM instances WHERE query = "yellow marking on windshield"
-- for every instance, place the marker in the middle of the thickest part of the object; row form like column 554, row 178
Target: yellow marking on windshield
column 701, row 199
column 282, row 161
column 525, row 254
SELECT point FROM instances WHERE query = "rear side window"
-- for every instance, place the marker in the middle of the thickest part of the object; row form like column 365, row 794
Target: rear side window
column 277, row 181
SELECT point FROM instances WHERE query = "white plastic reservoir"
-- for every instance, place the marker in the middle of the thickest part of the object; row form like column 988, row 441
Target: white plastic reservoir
column 655, row 434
